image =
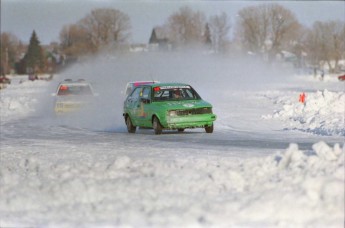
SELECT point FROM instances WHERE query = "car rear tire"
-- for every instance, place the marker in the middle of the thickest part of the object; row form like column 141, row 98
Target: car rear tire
column 209, row 129
column 157, row 127
column 130, row 127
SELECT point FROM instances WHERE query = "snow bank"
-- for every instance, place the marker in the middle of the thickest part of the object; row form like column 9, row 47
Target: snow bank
column 20, row 98
column 290, row 189
column 322, row 113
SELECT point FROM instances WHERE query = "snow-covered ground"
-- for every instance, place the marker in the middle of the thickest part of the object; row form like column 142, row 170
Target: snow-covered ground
column 271, row 162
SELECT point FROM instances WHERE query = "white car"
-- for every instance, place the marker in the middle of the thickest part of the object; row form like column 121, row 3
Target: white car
column 73, row 95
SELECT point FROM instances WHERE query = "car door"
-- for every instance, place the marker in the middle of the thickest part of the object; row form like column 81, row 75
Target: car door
column 138, row 104
column 133, row 105
column 145, row 111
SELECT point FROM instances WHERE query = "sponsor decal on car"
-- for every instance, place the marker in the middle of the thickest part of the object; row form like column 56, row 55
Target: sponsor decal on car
column 188, row 105
column 173, row 87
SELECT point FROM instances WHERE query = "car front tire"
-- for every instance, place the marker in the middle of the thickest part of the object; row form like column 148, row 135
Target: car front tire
column 130, row 127
column 157, row 127
column 209, row 129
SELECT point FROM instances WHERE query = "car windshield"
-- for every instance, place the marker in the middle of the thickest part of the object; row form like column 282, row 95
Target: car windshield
column 174, row 93
column 74, row 90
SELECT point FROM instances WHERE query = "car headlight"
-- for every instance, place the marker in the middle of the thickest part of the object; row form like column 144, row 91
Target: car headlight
column 172, row 113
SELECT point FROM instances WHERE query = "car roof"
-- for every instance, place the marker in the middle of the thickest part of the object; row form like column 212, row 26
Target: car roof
column 78, row 82
column 148, row 81
column 139, row 83
column 168, row 84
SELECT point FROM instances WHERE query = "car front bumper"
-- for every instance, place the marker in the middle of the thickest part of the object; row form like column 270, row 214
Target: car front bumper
column 189, row 121
column 61, row 108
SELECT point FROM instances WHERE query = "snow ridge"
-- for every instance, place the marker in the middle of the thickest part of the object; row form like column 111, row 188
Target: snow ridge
column 292, row 187
column 323, row 112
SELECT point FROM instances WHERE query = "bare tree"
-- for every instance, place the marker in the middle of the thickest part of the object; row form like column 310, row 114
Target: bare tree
column 102, row 28
column 283, row 27
column 75, row 41
column 253, row 28
column 10, row 47
column 297, row 46
column 219, row 29
column 186, row 27
column 266, row 28
column 329, row 39
column 325, row 44
column 313, row 45
column 106, row 27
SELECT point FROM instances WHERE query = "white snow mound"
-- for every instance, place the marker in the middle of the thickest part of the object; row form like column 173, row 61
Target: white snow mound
column 322, row 113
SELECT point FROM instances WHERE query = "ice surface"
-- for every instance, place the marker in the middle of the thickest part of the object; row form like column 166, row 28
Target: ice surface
column 271, row 162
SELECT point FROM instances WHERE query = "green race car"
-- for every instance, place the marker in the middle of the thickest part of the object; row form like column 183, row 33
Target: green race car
column 167, row 106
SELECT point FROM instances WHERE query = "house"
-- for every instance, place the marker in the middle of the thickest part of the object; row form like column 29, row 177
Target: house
column 159, row 41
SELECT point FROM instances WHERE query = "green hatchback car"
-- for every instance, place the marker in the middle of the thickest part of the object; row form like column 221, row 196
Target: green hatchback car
column 167, row 106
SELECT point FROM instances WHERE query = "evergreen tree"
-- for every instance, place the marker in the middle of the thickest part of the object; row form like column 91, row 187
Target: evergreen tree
column 34, row 57
column 153, row 38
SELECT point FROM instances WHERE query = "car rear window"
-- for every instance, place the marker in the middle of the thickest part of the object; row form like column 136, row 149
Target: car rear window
column 74, row 90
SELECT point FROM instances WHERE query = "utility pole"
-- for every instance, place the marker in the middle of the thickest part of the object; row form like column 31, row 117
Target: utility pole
column 6, row 61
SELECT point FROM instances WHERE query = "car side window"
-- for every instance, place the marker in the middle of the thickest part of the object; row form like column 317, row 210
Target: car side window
column 146, row 93
column 136, row 93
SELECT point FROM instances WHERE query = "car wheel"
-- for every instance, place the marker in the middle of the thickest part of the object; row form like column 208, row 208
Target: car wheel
column 180, row 130
column 157, row 127
column 209, row 129
column 130, row 127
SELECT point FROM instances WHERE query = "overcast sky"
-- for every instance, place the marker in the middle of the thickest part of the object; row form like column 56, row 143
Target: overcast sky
column 48, row 17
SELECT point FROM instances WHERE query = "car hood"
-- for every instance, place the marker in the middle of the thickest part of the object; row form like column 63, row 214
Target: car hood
column 187, row 104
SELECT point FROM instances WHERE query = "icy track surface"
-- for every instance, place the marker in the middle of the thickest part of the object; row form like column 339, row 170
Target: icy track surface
column 271, row 162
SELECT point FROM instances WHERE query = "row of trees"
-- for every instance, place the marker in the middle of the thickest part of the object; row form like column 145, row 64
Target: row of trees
column 264, row 30
column 270, row 28
column 32, row 58
column 188, row 28
column 267, row 29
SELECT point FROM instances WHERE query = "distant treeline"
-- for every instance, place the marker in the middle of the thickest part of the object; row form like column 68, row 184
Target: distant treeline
column 268, row 31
